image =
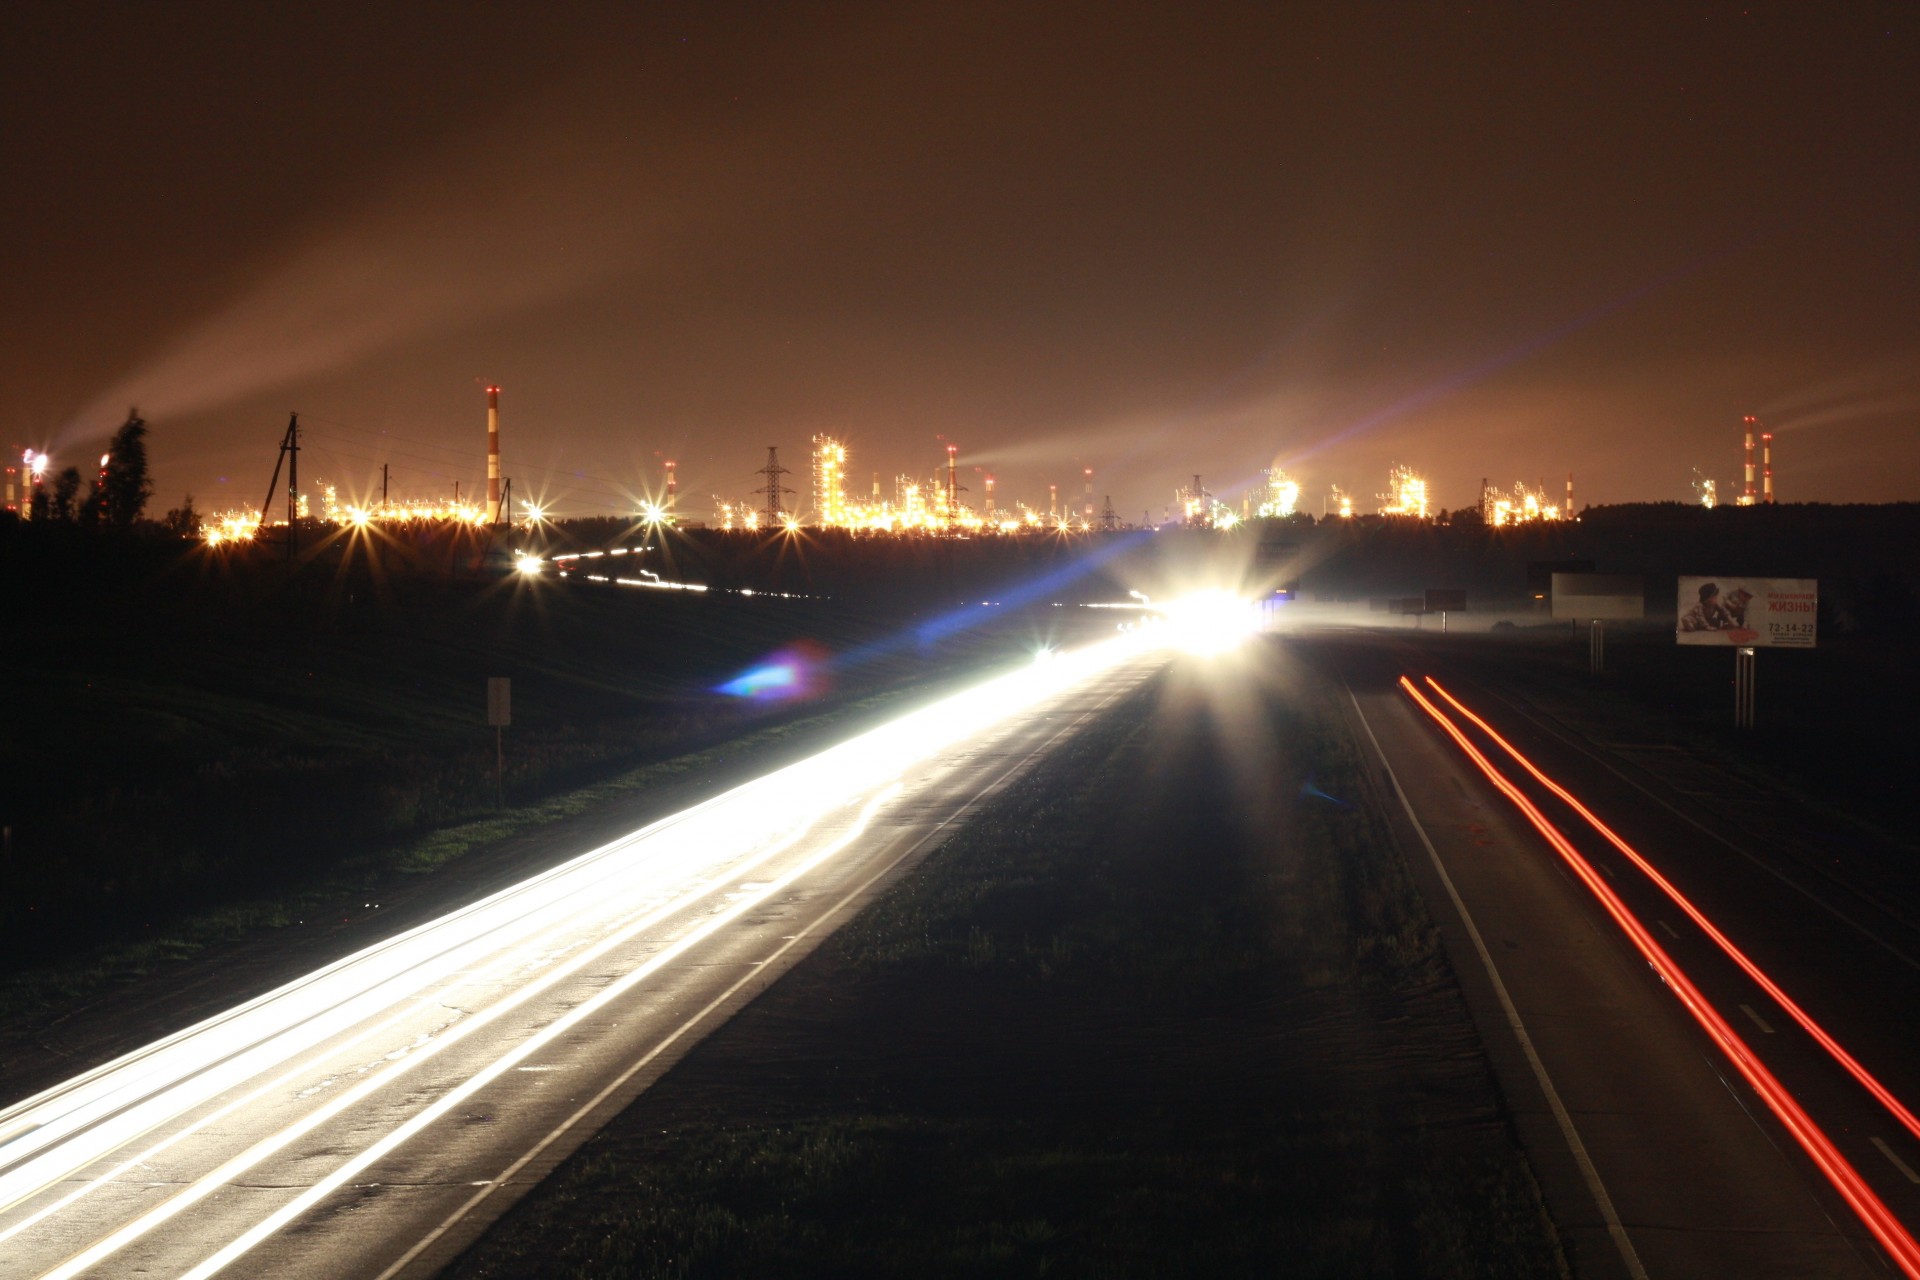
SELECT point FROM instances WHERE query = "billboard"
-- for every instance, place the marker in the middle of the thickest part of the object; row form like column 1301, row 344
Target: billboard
column 1443, row 600
column 1605, row 596
column 1776, row 612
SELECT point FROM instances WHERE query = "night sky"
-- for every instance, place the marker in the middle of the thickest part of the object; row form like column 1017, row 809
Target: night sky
column 1154, row 240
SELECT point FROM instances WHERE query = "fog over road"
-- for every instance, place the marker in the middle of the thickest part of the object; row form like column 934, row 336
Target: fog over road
column 369, row 1119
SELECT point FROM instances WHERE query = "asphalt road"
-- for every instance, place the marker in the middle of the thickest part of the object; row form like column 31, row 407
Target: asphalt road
column 371, row 1118
column 1658, row 1157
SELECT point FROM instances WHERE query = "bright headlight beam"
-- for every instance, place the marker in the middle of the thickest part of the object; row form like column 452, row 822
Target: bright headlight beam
column 1838, row 1170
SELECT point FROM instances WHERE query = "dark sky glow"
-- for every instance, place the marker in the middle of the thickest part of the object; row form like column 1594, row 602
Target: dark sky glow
column 1154, row 240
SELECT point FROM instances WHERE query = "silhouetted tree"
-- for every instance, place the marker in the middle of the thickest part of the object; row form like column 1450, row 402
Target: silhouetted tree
column 124, row 486
column 66, row 493
column 183, row 519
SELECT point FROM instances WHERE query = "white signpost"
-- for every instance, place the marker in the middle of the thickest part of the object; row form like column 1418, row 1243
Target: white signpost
column 499, row 715
column 1598, row 597
column 1748, row 614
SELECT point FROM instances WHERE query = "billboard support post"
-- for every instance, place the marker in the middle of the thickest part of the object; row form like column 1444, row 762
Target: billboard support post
column 499, row 716
column 1743, row 680
column 1597, row 648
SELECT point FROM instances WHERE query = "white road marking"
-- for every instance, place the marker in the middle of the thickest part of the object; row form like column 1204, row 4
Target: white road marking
column 1898, row 1163
column 487, row 1188
column 1615, row 1228
column 1758, row 1021
column 1667, row 929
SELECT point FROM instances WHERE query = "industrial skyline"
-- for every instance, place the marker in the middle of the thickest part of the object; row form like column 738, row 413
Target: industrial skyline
column 1219, row 240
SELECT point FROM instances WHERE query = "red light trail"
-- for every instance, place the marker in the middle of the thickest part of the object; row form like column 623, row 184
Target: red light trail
column 1880, row 1220
column 1880, row 1092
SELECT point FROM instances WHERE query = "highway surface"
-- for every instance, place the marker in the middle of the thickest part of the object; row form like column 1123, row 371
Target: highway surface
column 1702, row 1032
column 370, row 1119
column 1713, row 1077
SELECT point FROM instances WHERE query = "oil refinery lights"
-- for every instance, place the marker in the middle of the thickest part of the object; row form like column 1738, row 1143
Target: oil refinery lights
column 1406, row 494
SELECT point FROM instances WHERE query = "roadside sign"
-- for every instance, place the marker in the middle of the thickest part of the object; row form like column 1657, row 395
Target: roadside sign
column 1749, row 613
column 1444, row 600
column 499, row 701
column 1598, row 596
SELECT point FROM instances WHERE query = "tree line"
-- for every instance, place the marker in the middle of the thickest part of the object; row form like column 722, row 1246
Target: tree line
column 116, row 500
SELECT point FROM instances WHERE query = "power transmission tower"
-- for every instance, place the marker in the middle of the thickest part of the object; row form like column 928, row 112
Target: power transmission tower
column 1109, row 521
column 775, row 511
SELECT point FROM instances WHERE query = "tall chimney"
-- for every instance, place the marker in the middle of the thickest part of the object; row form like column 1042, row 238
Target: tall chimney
column 673, row 484
column 953, row 482
column 1086, row 508
column 1746, row 495
column 1053, row 504
column 1766, row 466
column 989, row 495
column 493, row 451
column 1569, row 495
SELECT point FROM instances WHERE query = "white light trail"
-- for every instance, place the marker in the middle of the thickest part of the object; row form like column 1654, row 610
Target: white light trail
column 189, row 1083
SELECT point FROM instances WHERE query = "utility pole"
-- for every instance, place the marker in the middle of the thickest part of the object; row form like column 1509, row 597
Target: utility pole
column 775, row 512
column 289, row 455
column 383, row 487
column 293, row 485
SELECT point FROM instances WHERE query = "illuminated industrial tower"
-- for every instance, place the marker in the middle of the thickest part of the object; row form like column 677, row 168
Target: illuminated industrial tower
column 829, row 481
column 673, row 486
column 953, row 483
column 493, row 449
column 1747, row 496
column 1086, row 506
column 1766, row 467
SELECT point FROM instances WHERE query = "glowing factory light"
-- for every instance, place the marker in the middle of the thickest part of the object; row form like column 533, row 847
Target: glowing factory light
column 1839, row 1172
column 231, row 526
column 1406, row 494
column 1523, row 506
column 1282, row 496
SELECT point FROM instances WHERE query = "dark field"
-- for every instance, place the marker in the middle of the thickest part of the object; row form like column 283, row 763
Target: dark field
column 1149, row 1014
column 197, row 750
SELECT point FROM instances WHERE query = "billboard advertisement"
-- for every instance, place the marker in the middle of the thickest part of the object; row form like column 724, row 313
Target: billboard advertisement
column 1601, row 596
column 1775, row 612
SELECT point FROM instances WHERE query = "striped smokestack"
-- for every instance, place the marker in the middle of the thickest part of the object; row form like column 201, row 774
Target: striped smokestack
column 1746, row 494
column 493, row 451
